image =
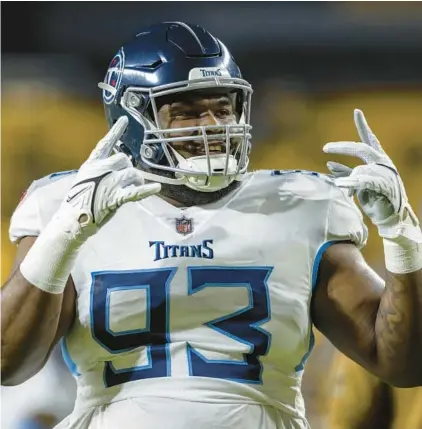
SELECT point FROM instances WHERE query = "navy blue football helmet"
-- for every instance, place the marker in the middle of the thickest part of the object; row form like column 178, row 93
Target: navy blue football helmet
column 168, row 59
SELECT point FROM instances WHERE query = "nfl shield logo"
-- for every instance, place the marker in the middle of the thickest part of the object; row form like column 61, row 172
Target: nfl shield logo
column 184, row 225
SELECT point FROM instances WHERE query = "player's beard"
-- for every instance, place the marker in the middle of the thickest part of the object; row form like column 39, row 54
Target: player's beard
column 188, row 197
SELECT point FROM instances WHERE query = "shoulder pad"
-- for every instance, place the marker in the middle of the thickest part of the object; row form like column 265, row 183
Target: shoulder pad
column 327, row 177
column 46, row 180
column 38, row 204
column 281, row 172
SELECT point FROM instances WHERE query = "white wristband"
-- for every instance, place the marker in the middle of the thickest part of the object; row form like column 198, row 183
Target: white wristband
column 50, row 260
column 402, row 257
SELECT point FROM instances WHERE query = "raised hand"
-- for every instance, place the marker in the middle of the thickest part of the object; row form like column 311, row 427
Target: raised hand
column 377, row 183
column 104, row 182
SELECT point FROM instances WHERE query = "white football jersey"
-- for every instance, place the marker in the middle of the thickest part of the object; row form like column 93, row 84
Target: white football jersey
column 203, row 305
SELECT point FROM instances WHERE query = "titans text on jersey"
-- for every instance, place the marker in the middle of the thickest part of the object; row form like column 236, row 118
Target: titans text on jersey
column 164, row 251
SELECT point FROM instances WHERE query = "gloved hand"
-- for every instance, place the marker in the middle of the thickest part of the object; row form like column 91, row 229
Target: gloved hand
column 104, row 183
column 377, row 184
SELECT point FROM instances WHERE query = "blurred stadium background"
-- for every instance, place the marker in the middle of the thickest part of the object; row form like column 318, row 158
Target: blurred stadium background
column 310, row 63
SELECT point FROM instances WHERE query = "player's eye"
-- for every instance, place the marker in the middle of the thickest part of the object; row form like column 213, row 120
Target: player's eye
column 222, row 113
column 185, row 114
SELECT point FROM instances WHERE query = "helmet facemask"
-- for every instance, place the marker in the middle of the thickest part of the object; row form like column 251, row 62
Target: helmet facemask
column 222, row 149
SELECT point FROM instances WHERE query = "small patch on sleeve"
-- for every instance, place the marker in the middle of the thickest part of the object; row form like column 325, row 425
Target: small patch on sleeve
column 306, row 172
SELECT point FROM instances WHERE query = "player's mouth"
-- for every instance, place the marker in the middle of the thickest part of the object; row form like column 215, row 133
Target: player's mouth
column 198, row 149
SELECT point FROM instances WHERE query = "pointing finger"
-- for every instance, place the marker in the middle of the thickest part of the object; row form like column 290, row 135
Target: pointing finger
column 107, row 143
column 365, row 133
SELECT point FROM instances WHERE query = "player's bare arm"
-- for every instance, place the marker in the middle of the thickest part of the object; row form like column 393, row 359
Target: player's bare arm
column 377, row 322
column 32, row 322
column 378, row 327
column 38, row 300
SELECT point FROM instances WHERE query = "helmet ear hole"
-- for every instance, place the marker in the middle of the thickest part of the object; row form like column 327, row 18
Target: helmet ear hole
column 149, row 151
column 153, row 153
column 135, row 101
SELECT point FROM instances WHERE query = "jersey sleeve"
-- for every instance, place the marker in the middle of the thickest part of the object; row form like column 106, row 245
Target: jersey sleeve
column 26, row 219
column 344, row 219
column 38, row 205
column 327, row 213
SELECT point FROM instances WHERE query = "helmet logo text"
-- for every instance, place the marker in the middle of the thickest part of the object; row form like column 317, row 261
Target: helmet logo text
column 211, row 73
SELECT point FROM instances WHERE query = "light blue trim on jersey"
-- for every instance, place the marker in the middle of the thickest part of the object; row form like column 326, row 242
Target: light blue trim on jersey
column 47, row 180
column 62, row 173
column 190, row 350
column 305, row 172
column 305, row 358
column 318, row 258
column 149, row 365
column 133, row 368
column 67, row 359
column 130, row 369
column 147, row 310
column 314, row 278
column 211, row 323
column 168, row 338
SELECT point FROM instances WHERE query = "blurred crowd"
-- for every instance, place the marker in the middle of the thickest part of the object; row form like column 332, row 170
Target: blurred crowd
column 50, row 123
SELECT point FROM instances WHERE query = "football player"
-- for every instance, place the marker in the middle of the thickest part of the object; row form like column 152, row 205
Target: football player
column 185, row 288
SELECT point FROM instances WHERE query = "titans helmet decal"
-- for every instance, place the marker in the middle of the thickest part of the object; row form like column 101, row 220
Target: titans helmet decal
column 114, row 75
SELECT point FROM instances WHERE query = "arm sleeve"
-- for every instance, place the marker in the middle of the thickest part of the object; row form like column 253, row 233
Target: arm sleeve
column 344, row 220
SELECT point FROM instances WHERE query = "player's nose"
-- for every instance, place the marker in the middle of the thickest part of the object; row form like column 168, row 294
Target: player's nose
column 208, row 119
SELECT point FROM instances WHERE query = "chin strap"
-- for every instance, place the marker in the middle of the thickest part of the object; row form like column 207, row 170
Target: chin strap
column 179, row 181
column 184, row 179
column 163, row 179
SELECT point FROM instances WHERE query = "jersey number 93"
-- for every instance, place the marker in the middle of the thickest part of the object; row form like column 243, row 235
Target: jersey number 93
column 242, row 325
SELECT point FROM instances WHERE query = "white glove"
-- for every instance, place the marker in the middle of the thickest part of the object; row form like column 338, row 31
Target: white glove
column 101, row 186
column 379, row 189
column 105, row 182
column 378, row 186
